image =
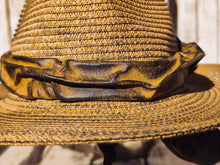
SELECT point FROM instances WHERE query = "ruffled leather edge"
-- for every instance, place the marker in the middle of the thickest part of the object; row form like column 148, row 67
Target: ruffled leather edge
column 69, row 80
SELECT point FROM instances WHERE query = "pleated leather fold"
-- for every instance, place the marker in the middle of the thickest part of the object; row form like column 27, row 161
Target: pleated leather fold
column 69, row 80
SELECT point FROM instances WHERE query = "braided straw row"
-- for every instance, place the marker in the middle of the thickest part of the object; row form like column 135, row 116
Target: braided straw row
column 32, row 123
column 95, row 30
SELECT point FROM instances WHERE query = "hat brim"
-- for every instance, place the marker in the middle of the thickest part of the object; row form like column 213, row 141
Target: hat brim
column 194, row 108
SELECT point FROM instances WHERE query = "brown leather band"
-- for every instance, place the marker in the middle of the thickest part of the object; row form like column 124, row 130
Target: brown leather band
column 70, row 80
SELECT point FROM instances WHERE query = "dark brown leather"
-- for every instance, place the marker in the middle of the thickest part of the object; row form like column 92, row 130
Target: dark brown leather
column 70, row 80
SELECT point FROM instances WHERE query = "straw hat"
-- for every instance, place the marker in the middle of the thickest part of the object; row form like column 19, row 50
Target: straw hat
column 89, row 71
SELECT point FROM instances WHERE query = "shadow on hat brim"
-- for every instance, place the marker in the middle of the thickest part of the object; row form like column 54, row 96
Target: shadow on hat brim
column 193, row 83
column 195, row 108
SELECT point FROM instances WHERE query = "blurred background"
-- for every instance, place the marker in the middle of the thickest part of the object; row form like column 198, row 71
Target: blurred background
column 195, row 21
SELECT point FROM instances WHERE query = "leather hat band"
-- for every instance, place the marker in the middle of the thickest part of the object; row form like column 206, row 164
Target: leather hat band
column 70, row 80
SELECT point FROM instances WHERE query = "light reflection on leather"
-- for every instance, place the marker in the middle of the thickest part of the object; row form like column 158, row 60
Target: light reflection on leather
column 90, row 80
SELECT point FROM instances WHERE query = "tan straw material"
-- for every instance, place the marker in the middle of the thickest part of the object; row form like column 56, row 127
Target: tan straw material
column 90, row 71
column 52, row 122
column 95, row 30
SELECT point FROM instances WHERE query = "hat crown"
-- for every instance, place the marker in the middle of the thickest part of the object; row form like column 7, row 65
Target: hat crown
column 95, row 30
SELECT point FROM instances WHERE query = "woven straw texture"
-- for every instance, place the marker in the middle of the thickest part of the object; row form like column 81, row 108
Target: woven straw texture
column 197, row 108
column 99, row 30
column 124, row 49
